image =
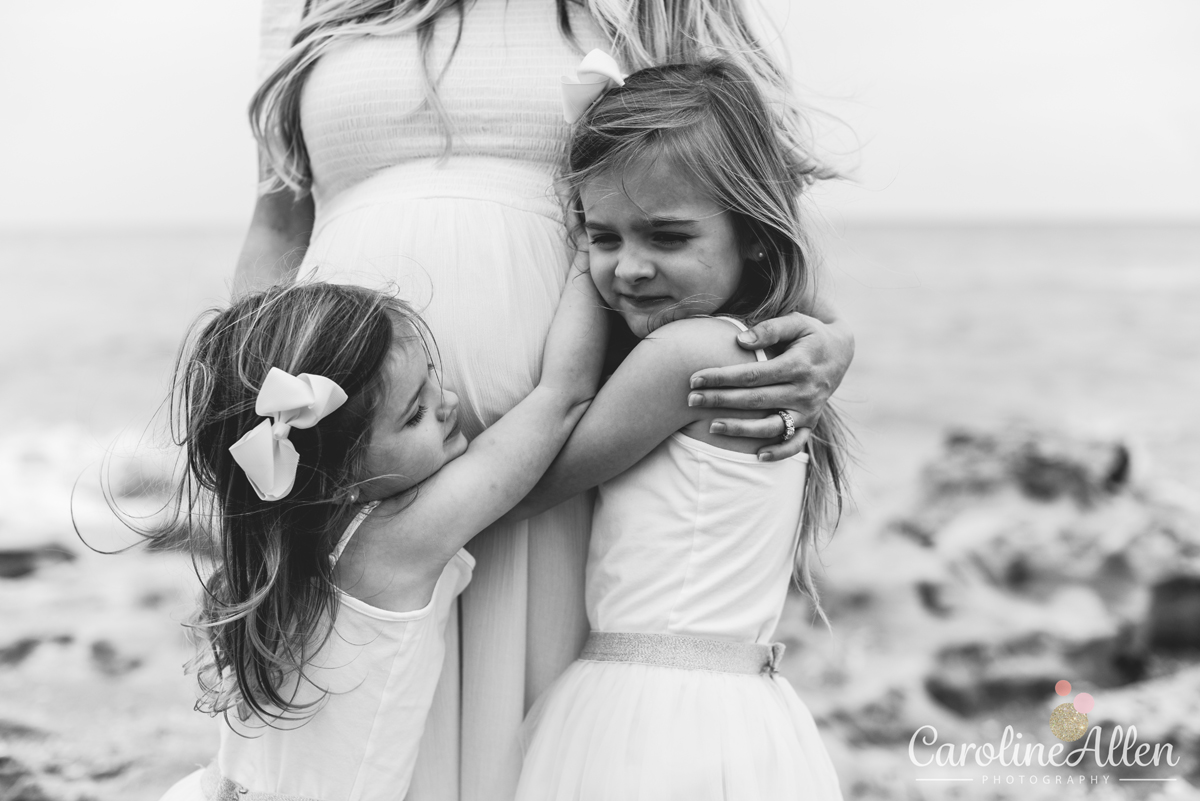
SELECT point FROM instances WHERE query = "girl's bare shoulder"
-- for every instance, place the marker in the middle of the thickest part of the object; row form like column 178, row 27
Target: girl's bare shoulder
column 697, row 343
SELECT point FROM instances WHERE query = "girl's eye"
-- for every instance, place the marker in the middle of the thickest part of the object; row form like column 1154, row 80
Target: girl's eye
column 603, row 240
column 670, row 239
column 417, row 418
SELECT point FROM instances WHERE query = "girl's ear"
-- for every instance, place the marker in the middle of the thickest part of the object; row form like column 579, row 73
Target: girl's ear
column 755, row 252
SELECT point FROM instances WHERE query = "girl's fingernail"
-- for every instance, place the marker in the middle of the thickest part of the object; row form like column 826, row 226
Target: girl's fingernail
column 765, row 457
column 716, row 428
column 696, row 382
column 695, row 399
column 748, row 337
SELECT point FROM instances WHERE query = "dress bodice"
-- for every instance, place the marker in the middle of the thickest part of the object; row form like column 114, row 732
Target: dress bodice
column 364, row 106
column 695, row 540
column 372, row 683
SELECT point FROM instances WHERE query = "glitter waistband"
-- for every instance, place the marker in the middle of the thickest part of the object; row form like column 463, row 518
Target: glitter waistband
column 679, row 651
column 217, row 788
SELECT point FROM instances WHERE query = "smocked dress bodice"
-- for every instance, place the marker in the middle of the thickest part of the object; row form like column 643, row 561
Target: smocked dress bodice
column 364, row 105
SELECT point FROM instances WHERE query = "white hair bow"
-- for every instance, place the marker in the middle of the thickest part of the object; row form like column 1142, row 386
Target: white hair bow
column 595, row 75
column 291, row 401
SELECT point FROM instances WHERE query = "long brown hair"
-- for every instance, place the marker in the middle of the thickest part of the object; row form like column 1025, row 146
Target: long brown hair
column 643, row 33
column 710, row 121
column 269, row 598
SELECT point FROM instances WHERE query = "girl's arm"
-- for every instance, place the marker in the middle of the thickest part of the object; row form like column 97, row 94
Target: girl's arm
column 643, row 403
column 275, row 244
column 503, row 463
column 817, row 352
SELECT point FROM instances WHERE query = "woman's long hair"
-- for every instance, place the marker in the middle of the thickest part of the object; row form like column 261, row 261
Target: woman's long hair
column 643, row 33
column 709, row 121
column 269, row 600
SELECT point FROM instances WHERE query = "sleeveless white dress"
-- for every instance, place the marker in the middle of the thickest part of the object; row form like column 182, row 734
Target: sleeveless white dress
column 360, row 741
column 476, row 241
column 697, row 541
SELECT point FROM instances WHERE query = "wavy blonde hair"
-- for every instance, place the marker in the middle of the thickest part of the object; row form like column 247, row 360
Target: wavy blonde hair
column 643, row 33
column 709, row 121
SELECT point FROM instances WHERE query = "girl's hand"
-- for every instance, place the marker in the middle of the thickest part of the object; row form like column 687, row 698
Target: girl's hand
column 800, row 380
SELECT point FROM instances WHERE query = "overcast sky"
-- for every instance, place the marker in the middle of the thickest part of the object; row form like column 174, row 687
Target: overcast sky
column 132, row 112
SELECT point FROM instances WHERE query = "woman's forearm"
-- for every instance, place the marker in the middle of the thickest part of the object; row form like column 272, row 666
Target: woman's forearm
column 279, row 234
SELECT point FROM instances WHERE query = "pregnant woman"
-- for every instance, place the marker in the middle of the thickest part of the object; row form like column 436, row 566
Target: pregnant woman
column 415, row 143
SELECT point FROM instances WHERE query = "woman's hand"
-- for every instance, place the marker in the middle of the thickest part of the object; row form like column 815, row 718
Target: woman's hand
column 799, row 380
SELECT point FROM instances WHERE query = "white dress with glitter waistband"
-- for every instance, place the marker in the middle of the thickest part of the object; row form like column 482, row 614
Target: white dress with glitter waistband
column 698, row 541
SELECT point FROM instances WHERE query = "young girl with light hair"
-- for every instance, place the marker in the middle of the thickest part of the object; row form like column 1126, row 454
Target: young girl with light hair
column 687, row 199
column 416, row 143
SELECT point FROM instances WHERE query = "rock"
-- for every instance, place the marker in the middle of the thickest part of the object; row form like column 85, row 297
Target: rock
column 979, row 677
column 878, row 722
column 1174, row 619
column 1165, row 709
column 1030, row 512
column 1045, row 465
column 12, row 730
column 17, row 782
column 110, row 662
column 20, row 562
column 15, row 653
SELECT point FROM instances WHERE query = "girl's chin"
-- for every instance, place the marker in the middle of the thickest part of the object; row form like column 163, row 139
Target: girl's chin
column 456, row 446
column 642, row 324
column 639, row 325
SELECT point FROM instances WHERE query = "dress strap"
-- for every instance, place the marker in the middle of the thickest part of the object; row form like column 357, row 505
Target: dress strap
column 349, row 532
column 760, row 354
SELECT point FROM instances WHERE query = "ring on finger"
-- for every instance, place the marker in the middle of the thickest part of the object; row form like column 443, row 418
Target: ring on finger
column 789, row 424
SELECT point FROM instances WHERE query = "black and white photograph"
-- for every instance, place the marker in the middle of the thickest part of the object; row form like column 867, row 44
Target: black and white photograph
column 600, row 400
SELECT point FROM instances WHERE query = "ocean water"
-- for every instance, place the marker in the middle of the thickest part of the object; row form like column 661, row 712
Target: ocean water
column 1087, row 326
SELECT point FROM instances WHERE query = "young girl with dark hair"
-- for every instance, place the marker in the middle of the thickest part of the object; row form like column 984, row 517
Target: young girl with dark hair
column 329, row 479
column 687, row 195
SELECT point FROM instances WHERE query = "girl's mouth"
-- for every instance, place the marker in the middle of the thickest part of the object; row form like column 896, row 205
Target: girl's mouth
column 644, row 302
column 453, row 428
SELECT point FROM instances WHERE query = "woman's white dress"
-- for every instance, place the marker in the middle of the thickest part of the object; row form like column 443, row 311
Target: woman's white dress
column 475, row 239
column 697, row 541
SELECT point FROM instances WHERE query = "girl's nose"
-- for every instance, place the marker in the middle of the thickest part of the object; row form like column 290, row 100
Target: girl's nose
column 634, row 266
column 447, row 406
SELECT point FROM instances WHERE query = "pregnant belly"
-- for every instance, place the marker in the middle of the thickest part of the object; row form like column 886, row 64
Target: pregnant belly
column 476, row 246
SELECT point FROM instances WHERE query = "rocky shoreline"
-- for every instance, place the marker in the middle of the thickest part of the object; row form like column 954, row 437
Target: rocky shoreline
column 1028, row 556
column 1023, row 557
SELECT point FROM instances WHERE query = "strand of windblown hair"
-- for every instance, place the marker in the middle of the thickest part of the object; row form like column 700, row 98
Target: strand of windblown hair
column 646, row 33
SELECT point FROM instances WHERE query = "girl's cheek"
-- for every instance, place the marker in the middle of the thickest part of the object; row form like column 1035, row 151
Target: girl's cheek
column 600, row 279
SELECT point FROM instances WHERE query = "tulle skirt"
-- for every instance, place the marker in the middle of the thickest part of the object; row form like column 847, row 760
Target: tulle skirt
column 189, row 788
column 615, row 731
